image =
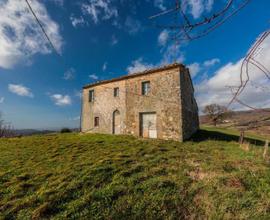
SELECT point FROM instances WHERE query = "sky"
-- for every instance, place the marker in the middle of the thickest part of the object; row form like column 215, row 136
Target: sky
column 103, row 39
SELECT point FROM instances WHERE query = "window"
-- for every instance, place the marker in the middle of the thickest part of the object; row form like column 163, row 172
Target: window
column 116, row 92
column 145, row 88
column 91, row 95
column 96, row 121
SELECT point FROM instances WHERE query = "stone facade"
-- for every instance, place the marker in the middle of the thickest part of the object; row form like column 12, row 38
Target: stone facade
column 170, row 100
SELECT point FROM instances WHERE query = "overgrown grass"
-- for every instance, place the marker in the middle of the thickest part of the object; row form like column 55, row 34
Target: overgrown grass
column 120, row 177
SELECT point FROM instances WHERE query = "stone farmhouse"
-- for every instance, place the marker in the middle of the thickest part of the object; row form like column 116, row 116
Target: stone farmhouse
column 156, row 103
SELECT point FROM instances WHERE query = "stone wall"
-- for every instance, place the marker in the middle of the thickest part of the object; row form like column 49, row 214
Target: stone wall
column 171, row 98
column 164, row 100
column 190, row 118
column 103, row 107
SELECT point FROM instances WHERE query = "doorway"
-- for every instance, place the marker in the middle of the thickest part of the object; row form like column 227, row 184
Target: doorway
column 116, row 122
column 148, row 125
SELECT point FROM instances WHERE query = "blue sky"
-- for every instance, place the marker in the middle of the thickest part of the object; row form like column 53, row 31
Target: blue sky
column 101, row 39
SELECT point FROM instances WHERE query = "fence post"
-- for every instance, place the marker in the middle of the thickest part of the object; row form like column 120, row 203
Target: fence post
column 241, row 138
column 265, row 152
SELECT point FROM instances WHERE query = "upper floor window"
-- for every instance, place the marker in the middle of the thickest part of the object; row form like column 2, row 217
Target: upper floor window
column 91, row 95
column 116, row 92
column 96, row 122
column 145, row 88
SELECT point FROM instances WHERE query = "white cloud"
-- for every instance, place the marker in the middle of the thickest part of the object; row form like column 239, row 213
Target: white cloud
column 197, row 7
column 211, row 62
column 114, row 40
column 61, row 100
column 104, row 67
column 69, row 74
column 20, row 36
column 77, row 118
column 209, row 5
column 78, row 93
column 163, row 38
column 77, row 21
column 194, row 69
column 215, row 89
column 172, row 54
column 20, row 90
column 133, row 26
column 99, row 10
column 2, row 99
column 160, row 4
column 138, row 66
column 93, row 76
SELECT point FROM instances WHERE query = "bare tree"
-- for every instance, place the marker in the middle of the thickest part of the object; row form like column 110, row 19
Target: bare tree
column 5, row 128
column 1, row 126
column 216, row 113
column 183, row 26
column 250, row 60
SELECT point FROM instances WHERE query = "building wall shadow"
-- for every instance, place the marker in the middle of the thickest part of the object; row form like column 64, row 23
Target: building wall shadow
column 203, row 135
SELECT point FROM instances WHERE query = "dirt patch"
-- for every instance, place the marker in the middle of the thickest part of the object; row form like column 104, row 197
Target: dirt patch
column 198, row 174
column 234, row 183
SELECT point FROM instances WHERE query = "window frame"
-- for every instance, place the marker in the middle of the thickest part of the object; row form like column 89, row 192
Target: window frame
column 91, row 98
column 116, row 92
column 144, row 91
column 96, row 121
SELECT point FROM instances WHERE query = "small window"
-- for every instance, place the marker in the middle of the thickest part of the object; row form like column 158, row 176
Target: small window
column 91, row 95
column 145, row 88
column 116, row 92
column 96, row 122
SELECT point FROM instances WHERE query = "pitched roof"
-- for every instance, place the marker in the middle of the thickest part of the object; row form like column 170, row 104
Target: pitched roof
column 149, row 71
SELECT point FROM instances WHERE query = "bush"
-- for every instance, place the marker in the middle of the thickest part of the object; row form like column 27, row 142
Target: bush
column 65, row 130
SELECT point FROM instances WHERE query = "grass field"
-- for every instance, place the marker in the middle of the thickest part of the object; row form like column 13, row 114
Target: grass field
column 252, row 136
column 121, row 177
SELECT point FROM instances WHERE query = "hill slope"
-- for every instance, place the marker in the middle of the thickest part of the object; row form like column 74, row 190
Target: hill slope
column 257, row 122
column 120, row 177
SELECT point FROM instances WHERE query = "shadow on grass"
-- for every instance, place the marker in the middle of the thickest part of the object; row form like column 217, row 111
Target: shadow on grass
column 202, row 135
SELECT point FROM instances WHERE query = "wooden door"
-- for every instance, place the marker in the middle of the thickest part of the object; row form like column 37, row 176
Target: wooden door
column 148, row 125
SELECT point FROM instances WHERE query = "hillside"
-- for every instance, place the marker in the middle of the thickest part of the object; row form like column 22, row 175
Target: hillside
column 257, row 122
column 120, row 177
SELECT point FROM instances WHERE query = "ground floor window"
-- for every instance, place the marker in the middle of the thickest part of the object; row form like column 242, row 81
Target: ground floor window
column 96, row 121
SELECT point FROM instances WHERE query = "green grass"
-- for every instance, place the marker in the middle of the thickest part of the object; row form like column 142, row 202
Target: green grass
column 234, row 131
column 72, row 176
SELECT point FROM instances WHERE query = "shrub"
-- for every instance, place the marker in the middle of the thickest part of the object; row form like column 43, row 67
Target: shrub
column 65, row 130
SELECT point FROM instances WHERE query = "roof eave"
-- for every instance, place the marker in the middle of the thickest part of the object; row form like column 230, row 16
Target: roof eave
column 171, row 66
